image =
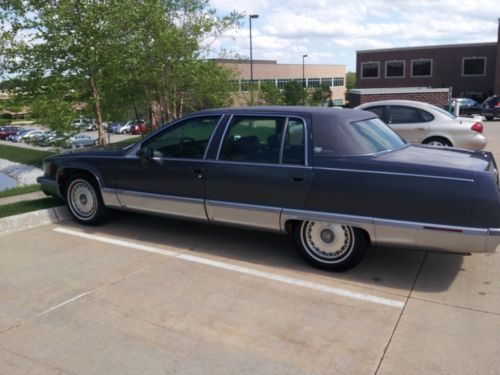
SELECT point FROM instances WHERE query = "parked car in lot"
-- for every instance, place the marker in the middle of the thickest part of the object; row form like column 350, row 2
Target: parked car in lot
column 123, row 127
column 336, row 180
column 467, row 106
column 6, row 131
column 491, row 107
column 138, row 127
column 81, row 140
column 18, row 137
column 419, row 122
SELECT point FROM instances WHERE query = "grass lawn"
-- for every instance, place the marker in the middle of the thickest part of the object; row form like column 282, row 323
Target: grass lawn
column 28, row 206
column 19, row 190
column 23, row 155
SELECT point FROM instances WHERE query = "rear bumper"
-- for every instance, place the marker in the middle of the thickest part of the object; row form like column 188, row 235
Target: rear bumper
column 49, row 186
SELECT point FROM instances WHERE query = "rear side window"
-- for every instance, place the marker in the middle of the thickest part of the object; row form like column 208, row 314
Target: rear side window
column 405, row 115
column 268, row 140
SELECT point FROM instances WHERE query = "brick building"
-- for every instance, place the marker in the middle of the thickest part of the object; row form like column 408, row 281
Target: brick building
column 279, row 74
column 470, row 70
column 438, row 97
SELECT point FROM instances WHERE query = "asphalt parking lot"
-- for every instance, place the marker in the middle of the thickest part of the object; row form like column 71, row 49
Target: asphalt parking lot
column 150, row 295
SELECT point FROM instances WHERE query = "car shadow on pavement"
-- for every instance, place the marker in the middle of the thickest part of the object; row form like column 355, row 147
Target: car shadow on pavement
column 389, row 269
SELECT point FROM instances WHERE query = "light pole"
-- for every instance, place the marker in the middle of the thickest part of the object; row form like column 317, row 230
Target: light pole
column 303, row 71
column 250, row 16
column 304, row 78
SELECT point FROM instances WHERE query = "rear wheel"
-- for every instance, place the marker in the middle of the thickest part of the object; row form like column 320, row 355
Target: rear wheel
column 489, row 118
column 438, row 142
column 331, row 246
column 84, row 200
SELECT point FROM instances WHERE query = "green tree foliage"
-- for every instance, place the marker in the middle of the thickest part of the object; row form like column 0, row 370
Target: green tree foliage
column 112, row 55
column 270, row 94
column 294, row 93
column 320, row 95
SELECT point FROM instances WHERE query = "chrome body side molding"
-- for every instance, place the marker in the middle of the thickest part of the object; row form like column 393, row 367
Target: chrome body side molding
column 110, row 199
column 411, row 234
column 161, row 204
column 261, row 217
column 381, row 231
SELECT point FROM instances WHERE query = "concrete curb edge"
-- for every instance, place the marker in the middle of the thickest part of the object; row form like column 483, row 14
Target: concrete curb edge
column 34, row 219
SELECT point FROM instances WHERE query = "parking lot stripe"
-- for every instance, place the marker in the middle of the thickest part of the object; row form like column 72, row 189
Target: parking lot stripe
column 239, row 269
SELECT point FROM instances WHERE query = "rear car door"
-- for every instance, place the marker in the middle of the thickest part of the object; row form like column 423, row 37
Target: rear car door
column 261, row 168
column 412, row 124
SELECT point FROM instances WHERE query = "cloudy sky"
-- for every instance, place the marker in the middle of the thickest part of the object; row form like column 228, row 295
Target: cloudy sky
column 330, row 31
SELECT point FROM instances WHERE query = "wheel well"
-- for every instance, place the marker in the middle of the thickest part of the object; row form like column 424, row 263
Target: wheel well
column 290, row 226
column 66, row 176
column 446, row 140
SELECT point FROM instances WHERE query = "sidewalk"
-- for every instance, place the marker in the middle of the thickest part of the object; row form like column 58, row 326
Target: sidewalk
column 22, row 197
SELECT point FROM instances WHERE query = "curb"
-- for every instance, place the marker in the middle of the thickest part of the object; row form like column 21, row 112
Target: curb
column 29, row 220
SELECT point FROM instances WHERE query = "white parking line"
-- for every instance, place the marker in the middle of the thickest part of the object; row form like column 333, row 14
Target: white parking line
column 239, row 269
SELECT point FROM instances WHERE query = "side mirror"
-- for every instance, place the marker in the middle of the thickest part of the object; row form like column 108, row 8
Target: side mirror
column 145, row 152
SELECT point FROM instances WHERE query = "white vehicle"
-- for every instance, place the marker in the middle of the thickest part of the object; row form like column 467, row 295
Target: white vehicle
column 419, row 122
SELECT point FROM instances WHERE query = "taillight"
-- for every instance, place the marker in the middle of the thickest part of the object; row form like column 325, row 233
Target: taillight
column 497, row 104
column 477, row 127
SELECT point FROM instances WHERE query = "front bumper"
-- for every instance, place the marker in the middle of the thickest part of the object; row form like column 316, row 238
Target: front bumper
column 49, row 186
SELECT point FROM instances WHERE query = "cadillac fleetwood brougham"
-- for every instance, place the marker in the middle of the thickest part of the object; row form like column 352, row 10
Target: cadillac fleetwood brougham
column 337, row 180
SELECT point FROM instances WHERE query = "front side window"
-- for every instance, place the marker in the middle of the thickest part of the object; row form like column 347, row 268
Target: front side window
column 421, row 68
column 474, row 66
column 370, row 69
column 378, row 110
column 187, row 139
column 394, row 69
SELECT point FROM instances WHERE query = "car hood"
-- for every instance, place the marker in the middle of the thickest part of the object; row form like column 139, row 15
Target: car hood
column 108, row 150
column 433, row 157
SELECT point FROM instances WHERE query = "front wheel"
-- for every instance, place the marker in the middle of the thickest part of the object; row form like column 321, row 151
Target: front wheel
column 84, row 200
column 331, row 246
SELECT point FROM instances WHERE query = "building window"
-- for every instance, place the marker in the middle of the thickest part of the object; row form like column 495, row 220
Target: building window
column 338, row 81
column 370, row 69
column 327, row 81
column 338, row 102
column 313, row 82
column 473, row 66
column 421, row 68
column 394, row 69
column 282, row 82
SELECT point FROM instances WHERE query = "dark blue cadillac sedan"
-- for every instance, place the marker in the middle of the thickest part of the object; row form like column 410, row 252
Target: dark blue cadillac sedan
column 337, row 180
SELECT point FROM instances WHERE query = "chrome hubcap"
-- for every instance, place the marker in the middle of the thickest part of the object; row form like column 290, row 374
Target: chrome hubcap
column 328, row 242
column 82, row 199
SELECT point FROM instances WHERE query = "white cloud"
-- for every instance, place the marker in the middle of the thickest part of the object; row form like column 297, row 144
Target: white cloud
column 330, row 31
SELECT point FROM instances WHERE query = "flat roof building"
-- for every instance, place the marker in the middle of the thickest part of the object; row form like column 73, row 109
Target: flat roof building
column 471, row 70
column 279, row 74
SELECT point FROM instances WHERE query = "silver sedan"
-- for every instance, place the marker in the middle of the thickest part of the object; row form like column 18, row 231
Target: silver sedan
column 419, row 122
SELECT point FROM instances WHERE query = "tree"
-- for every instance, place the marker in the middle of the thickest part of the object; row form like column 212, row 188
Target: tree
column 269, row 94
column 350, row 83
column 320, row 95
column 111, row 54
column 294, row 93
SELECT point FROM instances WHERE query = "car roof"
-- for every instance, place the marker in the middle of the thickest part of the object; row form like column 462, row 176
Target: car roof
column 397, row 102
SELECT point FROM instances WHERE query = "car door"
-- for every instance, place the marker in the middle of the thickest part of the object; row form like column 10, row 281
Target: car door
column 166, row 174
column 261, row 168
column 412, row 124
